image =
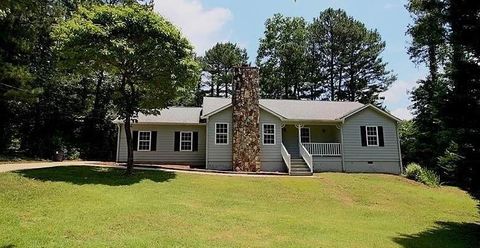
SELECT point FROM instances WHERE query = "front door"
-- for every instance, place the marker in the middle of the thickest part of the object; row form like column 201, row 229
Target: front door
column 290, row 140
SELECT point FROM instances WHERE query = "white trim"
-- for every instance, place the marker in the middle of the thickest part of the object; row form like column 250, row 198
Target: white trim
column 399, row 149
column 149, row 141
column 374, row 108
column 342, row 147
column 309, row 135
column 119, row 133
column 281, row 117
column 228, row 133
column 376, row 134
column 216, row 111
column 191, row 141
column 206, row 143
column 274, row 134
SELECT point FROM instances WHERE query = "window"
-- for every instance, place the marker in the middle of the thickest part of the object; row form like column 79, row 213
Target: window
column 186, row 140
column 372, row 136
column 305, row 134
column 144, row 140
column 269, row 134
column 221, row 133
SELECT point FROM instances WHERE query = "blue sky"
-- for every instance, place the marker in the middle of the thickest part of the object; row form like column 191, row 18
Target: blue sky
column 206, row 22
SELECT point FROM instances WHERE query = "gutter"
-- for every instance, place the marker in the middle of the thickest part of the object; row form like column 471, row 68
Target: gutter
column 118, row 142
column 399, row 149
column 343, row 150
column 206, row 143
column 167, row 123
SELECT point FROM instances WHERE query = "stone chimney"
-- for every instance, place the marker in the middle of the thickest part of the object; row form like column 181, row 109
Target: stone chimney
column 246, row 119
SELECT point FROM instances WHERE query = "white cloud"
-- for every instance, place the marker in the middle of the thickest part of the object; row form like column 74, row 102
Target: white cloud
column 397, row 99
column 202, row 26
column 398, row 92
column 402, row 113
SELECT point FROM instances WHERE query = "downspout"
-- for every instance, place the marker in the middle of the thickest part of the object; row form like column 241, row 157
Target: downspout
column 207, row 140
column 119, row 132
column 399, row 149
column 341, row 141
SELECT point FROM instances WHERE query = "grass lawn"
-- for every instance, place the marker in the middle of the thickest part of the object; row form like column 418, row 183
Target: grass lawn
column 92, row 207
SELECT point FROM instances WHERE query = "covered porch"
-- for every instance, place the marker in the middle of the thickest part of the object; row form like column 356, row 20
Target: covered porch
column 308, row 145
column 318, row 140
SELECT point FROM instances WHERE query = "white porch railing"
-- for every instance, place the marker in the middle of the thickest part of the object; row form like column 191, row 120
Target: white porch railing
column 324, row 149
column 307, row 157
column 287, row 158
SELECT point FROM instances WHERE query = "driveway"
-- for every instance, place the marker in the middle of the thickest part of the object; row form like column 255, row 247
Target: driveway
column 39, row 165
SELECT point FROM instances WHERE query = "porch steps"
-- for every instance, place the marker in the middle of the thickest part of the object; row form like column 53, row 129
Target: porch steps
column 299, row 168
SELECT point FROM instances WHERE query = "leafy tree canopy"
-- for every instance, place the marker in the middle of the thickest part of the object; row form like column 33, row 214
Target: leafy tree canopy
column 146, row 56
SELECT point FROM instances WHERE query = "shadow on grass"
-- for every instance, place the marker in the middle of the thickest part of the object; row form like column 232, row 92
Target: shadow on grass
column 82, row 175
column 444, row 234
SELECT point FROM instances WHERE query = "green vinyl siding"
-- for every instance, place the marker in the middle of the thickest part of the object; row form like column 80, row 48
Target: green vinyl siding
column 357, row 157
column 165, row 145
column 220, row 155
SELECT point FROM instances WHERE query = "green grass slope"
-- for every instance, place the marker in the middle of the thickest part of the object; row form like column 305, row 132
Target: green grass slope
column 98, row 207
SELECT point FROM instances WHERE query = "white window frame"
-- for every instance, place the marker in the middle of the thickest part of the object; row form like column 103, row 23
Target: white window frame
column 309, row 135
column 228, row 133
column 376, row 135
column 274, row 134
column 149, row 141
column 181, row 141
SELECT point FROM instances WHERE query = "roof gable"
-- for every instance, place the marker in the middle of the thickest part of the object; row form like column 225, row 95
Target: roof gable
column 376, row 109
column 293, row 110
column 300, row 110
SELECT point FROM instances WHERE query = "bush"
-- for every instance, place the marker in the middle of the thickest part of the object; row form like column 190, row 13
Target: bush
column 413, row 171
column 72, row 154
column 430, row 178
column 416, row 172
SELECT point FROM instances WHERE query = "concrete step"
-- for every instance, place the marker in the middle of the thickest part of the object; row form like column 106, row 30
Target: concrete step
column 301, row 173
column 299, row 165
column 301, row 169
column 297, row 160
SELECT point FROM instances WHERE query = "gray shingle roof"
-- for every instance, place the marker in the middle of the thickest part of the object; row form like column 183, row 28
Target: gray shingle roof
column 174, row 115
column 292, row 109
column 212, row 104
column 310, row 110
column 295, row 110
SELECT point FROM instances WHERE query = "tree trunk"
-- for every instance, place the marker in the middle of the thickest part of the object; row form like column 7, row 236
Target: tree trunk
column 127, row 122
column 332, row 66
column 128, row 135
column 212, row 89
column 340, row 79
column 98, row 95
column 433, row 64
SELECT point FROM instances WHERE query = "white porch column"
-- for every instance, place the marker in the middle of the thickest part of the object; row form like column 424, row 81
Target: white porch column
column 299, row 127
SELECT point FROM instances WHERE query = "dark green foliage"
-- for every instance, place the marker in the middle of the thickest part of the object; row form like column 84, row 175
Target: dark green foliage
column 282, row 57
column 143, row 57
column 47, row 104
column 408, row 133
column 449, row 161
column 333, row 58
column 447, row 103
column 217, row 67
